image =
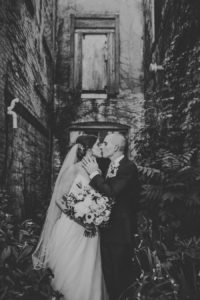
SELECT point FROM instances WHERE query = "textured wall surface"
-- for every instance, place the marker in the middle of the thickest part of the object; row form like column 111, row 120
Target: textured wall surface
column 26, row 59
column 174, row 93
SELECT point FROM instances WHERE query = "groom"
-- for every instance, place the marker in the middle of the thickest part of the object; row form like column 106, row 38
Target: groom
column 122, row 184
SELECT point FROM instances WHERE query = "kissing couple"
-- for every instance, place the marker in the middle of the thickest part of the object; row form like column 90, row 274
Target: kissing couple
column 99, row 267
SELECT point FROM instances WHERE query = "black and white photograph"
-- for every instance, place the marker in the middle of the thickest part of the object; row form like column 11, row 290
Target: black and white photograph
column 99, row 149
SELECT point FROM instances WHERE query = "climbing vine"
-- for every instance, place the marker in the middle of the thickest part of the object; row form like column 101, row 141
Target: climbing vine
column 66, row 113
column 168, row 150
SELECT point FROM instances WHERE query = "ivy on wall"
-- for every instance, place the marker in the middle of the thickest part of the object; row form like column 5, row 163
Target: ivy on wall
column 65, row 114
column 173, row 96
column 172, row 122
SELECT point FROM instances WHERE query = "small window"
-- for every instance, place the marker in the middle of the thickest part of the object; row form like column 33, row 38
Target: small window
column 95, row 54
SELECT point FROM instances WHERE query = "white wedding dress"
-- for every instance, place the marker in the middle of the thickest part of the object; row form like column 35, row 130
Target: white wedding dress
column 75, row 261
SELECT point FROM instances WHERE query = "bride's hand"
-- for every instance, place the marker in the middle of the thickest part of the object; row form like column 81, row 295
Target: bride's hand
column 61, row 204
column 89, row 164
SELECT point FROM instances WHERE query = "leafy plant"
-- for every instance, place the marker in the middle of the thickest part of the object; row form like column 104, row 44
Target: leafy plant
column 166, row 272
column 170, row 192
column 18, row 280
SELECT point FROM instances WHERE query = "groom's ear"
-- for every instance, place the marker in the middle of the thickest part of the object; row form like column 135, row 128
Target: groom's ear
column 116, row 148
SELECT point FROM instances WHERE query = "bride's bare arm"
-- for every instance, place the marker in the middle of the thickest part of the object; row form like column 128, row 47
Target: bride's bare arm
column 61, row 204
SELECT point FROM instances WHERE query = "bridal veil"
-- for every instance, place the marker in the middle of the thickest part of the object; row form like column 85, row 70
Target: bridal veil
column 63, row 183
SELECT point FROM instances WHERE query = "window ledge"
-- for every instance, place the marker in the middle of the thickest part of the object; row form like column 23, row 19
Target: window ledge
column 93, row 96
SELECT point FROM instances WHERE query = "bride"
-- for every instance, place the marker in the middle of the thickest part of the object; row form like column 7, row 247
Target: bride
column 73, row 258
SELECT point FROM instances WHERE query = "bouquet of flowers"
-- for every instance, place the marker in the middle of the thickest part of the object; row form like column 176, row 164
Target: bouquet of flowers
column 86, row 206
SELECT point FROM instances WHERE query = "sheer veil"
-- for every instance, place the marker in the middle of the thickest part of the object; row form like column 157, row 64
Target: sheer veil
column 63, row 183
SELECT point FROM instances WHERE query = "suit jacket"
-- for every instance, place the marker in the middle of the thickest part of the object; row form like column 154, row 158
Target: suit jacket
column 124, row 188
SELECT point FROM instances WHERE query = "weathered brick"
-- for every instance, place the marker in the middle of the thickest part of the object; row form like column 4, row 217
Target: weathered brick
column 27, row 156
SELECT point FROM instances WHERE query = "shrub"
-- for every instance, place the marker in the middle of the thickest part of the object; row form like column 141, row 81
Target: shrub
column 18, row 280
column 165, row 273
column 170, row 191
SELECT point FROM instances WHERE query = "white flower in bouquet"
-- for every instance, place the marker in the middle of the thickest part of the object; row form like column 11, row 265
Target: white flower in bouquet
column 98, row 220
column 107, row 213
column 100, row 209
column 79, row 197
column 101, row 200
column 103, row 206
column 89, row 218
column 80, row 209
column 88, row 200
column 106, row 219
column 94, row 206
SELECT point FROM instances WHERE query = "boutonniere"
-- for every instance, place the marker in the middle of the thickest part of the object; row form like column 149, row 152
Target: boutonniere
column 112, row 172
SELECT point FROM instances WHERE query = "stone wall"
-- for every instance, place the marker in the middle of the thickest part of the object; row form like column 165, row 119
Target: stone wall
column 126, row 108
column 26, row 73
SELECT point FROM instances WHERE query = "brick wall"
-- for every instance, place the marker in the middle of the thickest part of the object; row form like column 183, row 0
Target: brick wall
column 27, row 64
column 175, row 92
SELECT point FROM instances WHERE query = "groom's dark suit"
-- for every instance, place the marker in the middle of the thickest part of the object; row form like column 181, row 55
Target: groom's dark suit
column 116, row 239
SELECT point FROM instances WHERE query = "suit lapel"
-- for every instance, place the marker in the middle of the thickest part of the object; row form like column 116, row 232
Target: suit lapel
column 121, row 163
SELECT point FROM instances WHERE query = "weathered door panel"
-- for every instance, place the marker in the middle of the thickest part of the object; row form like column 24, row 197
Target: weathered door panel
column 94, row 62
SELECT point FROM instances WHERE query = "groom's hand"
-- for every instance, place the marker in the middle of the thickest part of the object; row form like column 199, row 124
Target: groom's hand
column 90, row 165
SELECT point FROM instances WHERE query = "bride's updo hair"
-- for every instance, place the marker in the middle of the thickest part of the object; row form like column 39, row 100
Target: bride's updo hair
column 85, row 142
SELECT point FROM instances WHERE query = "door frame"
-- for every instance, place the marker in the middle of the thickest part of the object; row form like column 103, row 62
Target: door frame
column 97, row 128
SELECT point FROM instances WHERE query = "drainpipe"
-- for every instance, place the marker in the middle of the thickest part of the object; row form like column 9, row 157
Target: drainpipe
column 13, row 113
column 52, row 106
